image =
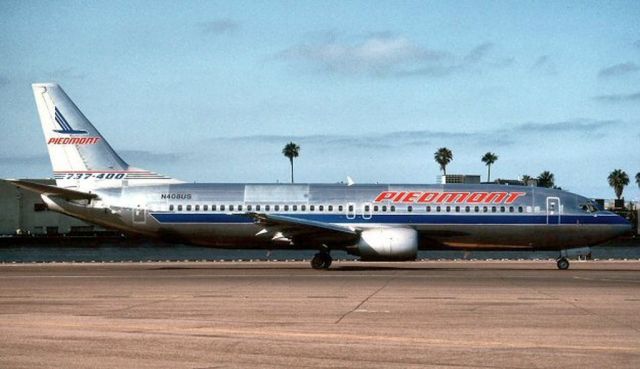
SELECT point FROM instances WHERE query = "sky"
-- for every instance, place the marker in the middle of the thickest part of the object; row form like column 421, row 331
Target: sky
column 212, row 91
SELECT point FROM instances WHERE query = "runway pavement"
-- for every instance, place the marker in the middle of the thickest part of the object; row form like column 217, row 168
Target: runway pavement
column 275, row 314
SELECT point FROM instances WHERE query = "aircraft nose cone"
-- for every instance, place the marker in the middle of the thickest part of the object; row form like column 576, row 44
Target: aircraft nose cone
column 626, row 226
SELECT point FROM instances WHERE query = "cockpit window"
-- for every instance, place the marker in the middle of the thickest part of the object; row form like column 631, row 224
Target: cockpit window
column 589, row 207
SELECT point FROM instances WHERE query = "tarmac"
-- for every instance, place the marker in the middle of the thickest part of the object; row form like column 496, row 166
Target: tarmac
column 435, row 314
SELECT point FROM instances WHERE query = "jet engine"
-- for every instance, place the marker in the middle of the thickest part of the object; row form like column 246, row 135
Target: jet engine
column 387, row 244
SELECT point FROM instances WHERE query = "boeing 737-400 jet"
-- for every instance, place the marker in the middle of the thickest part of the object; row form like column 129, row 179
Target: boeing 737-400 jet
column 386, row 222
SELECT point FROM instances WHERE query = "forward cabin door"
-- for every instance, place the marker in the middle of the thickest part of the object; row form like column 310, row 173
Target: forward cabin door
column 553, row 210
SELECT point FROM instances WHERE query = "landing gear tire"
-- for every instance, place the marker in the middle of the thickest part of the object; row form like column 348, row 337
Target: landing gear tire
column 563, row 264
column 321, row 260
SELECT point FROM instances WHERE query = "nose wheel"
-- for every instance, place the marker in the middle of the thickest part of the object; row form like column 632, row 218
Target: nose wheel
column 563, row 264
column 321, row 260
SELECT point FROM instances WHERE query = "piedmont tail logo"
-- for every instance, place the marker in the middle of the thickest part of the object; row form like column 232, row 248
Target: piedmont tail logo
column 67, row 129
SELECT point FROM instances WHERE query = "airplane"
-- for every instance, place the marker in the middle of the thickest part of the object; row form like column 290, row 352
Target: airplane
column 376, row 222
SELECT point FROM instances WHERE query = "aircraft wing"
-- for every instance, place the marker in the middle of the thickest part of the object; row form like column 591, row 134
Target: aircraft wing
column 285, row 228
column 52, row 190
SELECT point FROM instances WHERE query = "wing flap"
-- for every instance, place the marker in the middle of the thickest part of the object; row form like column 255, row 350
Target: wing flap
column 309, row 230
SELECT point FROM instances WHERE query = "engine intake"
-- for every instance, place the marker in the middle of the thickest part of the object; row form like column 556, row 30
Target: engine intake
column 387, row 244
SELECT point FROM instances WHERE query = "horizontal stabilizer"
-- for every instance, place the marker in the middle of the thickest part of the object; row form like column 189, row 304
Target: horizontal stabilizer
column 52, row 190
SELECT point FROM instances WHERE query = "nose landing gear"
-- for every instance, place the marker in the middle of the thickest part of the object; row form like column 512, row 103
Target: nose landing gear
column 563, row 263
column 321, row 260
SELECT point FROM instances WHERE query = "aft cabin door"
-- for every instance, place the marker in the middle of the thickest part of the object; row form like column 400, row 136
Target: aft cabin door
column 553, row 210
column 139, row 215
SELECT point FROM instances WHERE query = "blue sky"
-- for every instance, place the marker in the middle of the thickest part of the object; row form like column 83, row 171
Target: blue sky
column 212, row 91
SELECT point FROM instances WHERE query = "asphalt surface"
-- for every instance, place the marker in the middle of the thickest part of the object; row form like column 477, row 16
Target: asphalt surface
column 378, row 315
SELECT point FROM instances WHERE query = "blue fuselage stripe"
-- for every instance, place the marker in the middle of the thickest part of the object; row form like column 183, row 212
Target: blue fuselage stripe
column 395, row 219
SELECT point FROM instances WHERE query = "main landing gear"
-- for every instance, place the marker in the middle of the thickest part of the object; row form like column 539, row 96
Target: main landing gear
column 321, row 260
column 563, row 263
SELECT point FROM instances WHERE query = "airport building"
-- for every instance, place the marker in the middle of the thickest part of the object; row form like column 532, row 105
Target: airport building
column 458, row 178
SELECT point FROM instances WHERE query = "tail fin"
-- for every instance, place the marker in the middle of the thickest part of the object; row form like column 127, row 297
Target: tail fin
column 80, row 156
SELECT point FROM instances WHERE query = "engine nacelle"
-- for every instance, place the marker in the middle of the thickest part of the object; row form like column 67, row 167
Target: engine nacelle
column 387, row 244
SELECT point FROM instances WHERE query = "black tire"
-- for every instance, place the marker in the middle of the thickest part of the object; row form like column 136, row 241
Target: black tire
column 327, row 261
column 563, row 264
column 318, row 262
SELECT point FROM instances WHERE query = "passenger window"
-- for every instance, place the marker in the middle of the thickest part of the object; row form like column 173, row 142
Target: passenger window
column 384, row 207
column 438, row 209
column 276, row 208
column 350, row 207
column 257, row 207
column 510, row 209
column 320, row 207
column 286, row 208
column 267, row 207
column 467, row 209
column 197, row 208
column 484, row 209
column 303, row 207
column 340, row 207
column 493, row 209
column 476, row 209
column 392, row 208
column 230, row 207
column 409, row 208
column 179, row 207
column 239, row 207
column 502, row 209
column 312, row 207
column 170, row 207
column 221, row 207
column 428, row 209
column 213, row 208
column 249, row 207
column 375, row 208
column 367, row 207
column 330, row 208
column 205, row 207
column 188, row 207
column 448, row 209
column 457, row 209
column 520, row 209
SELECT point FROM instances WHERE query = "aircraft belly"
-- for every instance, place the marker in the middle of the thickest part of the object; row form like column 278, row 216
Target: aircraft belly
column 522, row 237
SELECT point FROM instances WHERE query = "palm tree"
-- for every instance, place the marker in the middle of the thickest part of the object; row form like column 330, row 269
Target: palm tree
column 443, row 157
column 546, row 179
column 489, row 158
column 618, row 179
column 291, row 150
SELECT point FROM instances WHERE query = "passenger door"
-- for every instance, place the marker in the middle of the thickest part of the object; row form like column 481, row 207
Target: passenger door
column 553, row 210
column 139, row 214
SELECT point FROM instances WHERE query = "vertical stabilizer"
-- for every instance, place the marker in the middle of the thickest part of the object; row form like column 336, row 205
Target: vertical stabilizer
column 80, row 156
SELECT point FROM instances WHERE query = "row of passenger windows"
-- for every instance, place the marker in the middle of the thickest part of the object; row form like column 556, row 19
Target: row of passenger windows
column 340, row 208
column 257, row 207
column 457, row 209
